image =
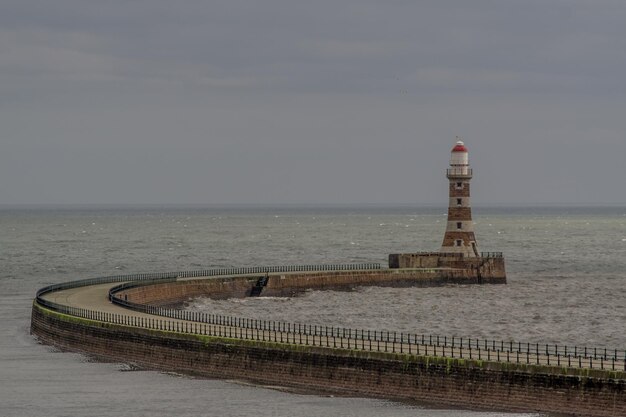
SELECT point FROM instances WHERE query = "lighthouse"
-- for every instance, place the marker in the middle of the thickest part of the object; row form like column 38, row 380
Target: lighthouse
column 458, row 260
column 459, row 237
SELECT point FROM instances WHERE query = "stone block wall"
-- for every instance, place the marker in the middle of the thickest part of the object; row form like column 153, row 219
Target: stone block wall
column 464, row 213
column 289, row 284
column 481, row 270
column 456, row 192
column 447, row 382
column 173, row 293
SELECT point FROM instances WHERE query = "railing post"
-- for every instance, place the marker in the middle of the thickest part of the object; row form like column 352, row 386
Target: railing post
column 537, row 347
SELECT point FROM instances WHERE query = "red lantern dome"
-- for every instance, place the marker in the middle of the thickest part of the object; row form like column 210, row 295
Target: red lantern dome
column 459, row 147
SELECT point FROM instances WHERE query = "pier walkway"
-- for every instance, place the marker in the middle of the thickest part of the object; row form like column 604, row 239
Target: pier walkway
column 92, row 302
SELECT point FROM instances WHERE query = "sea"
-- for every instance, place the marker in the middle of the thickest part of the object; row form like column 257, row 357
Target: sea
column 566, row 269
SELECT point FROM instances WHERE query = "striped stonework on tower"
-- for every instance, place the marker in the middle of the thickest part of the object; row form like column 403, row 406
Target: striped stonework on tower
column 459, row 237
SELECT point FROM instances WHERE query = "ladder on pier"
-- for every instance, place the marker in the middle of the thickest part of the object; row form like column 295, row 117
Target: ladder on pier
column 258, row 287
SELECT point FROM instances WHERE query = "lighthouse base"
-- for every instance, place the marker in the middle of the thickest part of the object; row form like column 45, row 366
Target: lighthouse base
column 487, row 268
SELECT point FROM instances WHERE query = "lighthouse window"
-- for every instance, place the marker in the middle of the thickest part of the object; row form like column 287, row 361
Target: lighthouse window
column 459, row 225
column 459, row 185
column 459, row 202
column 459, row 242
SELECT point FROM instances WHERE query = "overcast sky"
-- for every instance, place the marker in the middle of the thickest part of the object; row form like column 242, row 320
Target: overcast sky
column 298, row 102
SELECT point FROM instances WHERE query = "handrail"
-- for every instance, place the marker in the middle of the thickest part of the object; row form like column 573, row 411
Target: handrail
column 382, row 335
column 442, row 345
column 202, row 273
column 491, row 255
column 460, row 172
column 458, row 254
column 204, row 324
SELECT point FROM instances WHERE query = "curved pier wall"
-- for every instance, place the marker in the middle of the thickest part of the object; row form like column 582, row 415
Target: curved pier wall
column 174, row 293
column 289, row 284
column 451, row 382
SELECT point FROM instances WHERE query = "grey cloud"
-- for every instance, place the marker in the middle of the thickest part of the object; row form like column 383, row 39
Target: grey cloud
column 331, row 101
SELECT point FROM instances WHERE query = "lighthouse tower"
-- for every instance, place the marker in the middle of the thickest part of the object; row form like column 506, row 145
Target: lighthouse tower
column 459, row 237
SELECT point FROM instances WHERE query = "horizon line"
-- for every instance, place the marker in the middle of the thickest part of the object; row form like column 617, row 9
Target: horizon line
column 312, row 205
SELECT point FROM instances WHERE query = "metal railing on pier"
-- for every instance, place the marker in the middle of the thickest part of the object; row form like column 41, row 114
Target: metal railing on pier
column 458, row 255
column 199, row 323
column 204, row 324
column 472, row 348
column 172, row 276
column 491, row 255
